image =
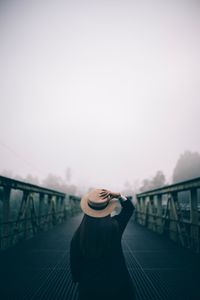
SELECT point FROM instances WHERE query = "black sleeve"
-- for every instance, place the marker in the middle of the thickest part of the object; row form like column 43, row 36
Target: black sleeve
column 75, row 259
column 125, row 214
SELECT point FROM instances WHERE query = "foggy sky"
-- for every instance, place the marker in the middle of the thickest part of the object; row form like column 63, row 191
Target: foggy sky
column 107, row 88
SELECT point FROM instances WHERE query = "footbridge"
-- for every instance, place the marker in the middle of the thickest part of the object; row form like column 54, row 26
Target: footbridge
column 160, row 243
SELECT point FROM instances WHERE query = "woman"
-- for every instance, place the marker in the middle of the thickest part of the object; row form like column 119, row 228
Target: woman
column 96, row 258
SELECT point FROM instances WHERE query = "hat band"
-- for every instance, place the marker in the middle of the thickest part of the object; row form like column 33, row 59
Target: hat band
column 97, row 206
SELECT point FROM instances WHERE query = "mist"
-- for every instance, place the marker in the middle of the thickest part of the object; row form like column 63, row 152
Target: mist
column 107, row 89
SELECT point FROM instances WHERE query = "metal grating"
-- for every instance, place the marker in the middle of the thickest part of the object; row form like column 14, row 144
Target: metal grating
column 39, row 268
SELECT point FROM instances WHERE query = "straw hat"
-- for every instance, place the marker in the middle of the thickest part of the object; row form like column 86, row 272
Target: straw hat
column 95, row 206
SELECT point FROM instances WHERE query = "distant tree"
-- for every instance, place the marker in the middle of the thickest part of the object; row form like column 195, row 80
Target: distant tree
column 68, row 174
column 128, row 188
column 32, row 179
column 146, row 185
column 57, row 183
column 187, row 166
column 156, row 182
column 131, row 189
column 19, row 177
column 53, row 182
column 7, row 173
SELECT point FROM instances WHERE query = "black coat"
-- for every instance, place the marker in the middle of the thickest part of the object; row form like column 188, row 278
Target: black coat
column 107, row 277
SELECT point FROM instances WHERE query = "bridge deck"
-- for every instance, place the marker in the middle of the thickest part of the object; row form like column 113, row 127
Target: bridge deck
column 39, row 268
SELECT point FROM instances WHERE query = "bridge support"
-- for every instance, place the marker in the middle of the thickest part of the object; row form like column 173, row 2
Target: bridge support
column 194, row 220
column 175, row 228
column 34, row 213
column 40, row 211
column 162, row 210
column 159, row 214
column 6, row 218
column 150, row 222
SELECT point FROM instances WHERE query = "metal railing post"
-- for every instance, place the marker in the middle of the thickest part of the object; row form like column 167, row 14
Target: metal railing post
column 159, row 213
column 5, row 241
column 194, row 220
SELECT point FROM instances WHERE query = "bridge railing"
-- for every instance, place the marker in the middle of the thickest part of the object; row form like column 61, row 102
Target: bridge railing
column 26, row 209
column 173, row 210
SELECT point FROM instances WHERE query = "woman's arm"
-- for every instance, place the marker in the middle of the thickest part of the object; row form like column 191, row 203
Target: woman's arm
column 127, row 208
column 124, row 216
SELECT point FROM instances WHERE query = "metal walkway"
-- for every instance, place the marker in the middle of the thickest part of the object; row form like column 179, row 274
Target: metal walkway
column 39, row 268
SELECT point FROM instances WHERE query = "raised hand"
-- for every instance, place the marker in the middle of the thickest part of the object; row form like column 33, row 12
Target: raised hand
column 108, row 194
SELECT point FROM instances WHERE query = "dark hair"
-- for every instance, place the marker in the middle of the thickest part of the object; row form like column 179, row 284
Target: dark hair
column 97, row 236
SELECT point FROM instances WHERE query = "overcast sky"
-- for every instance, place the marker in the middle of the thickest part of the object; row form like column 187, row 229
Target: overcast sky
column 108, row 88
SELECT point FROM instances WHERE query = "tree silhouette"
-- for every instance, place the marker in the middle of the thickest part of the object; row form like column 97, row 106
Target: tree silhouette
column 187, row 166
column 156, row 182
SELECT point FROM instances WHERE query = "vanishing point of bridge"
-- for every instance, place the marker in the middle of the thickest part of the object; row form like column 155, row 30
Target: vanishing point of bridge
column 160, row 243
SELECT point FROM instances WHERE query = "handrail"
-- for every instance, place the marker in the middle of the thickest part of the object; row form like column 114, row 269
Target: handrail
column 25, row 186
column 40, row 208
column 176, row 187
column 162, row 211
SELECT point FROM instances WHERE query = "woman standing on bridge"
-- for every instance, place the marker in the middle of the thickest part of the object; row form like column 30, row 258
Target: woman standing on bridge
column 96, row 257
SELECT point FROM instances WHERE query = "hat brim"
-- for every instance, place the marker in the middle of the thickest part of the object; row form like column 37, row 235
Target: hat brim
column 97, row 213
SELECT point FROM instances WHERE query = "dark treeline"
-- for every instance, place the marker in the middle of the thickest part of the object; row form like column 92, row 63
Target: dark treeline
column 187, row 167
column 52, row 182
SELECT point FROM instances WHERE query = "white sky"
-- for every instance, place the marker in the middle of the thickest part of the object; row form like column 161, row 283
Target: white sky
column 108, row 88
